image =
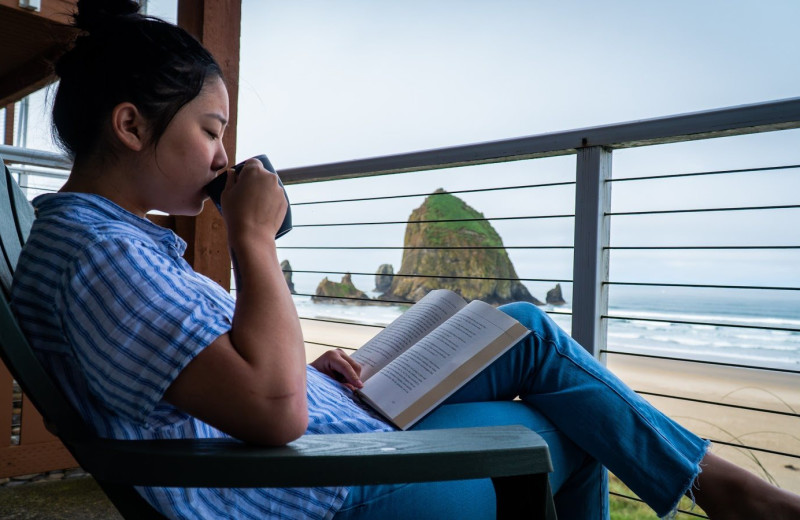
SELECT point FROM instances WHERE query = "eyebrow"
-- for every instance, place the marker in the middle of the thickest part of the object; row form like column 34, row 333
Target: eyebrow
column 218, row 117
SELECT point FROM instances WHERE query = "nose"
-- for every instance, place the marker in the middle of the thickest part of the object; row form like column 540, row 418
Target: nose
column 220, row 157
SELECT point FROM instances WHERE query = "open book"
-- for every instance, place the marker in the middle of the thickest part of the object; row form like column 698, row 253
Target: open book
column 431, row 351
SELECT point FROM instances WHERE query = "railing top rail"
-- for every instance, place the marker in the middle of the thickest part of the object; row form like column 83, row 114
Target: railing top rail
column 737, row 120
column 15, row 154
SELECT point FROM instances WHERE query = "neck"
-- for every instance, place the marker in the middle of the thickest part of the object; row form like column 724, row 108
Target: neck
column 107, row 179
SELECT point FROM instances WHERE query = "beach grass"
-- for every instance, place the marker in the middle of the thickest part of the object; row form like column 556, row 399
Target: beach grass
column 632, row 509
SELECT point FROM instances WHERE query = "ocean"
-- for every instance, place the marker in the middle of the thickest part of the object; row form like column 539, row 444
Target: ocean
column 710, row 328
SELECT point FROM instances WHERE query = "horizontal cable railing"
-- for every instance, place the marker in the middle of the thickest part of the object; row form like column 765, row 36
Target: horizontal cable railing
column 355, row 299
column 705, row 248
column 427, row 248
column 687, row 322
column 453, row 192
column 700, row 237
column 573, row 142
column 440, row 221
column 344, row 228
column 452, row 277
column 708, row 286
column 698, row 174
column 717, row 403
column 702, row 361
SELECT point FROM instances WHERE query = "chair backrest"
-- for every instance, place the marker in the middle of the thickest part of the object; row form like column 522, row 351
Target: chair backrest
column 16, row 219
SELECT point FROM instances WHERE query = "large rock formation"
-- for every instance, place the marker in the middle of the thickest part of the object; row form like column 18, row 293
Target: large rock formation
column 286, row 267
column 384, row 277
column 463, row 269
column 340, row 292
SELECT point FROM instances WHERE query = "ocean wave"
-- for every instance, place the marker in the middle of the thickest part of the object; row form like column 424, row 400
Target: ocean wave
column 707, row 319
column 681, row 340
column 766, row 336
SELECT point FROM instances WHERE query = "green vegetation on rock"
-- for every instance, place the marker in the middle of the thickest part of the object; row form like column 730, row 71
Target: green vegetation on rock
column 443, row 208
column 449, row 245
column 339, row 292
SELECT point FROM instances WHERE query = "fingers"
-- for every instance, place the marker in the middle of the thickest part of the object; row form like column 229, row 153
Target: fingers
column 352, row 362
column 347, row 369
column 340, row 366
column 253, row 164
column 253, row 200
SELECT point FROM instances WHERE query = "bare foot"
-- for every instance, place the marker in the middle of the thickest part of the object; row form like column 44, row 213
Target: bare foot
column 727, row 492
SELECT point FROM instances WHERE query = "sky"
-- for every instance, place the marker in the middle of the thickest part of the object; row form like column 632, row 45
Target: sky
column 345, row 79
column 325, row 81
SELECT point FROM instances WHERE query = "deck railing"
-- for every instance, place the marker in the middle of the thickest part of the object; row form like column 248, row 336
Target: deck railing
column 593, row 148
column 551, row 198
column 744, row 425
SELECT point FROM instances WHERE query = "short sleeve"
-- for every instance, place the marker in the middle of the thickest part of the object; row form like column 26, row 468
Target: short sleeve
column 135, row 316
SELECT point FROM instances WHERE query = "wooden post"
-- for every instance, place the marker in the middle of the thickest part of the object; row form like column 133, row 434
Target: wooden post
column 590, row 263
column 217, row 24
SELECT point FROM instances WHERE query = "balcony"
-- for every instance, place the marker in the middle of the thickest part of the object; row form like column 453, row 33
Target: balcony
column 692, row 299
column 672, row 239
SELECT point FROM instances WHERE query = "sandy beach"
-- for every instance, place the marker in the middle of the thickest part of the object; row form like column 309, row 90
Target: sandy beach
column 760, row 389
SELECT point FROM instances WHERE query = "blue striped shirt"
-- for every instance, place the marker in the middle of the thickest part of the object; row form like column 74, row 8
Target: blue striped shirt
column 114, row 313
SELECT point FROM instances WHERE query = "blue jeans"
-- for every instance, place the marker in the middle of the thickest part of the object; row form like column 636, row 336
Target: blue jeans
column 589, row 418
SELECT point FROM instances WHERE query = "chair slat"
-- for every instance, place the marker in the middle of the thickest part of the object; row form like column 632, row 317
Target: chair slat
column 22, row 209
column 9, row 237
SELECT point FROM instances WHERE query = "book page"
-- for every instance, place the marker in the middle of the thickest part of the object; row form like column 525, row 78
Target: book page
column 423, row 317
column 423, row 376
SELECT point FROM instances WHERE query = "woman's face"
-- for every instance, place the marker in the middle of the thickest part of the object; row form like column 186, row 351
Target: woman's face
column 190, row 152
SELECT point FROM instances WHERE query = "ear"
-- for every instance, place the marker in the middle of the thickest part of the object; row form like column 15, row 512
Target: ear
column 129, row 126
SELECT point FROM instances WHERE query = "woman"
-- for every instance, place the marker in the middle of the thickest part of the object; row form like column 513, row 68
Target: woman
column 144, row 347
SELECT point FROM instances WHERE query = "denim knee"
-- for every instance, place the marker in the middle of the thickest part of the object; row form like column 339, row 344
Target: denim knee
column 526, row 313
column 534, row 318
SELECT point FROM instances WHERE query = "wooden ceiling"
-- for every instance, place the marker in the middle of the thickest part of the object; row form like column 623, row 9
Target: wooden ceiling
column 29, row 42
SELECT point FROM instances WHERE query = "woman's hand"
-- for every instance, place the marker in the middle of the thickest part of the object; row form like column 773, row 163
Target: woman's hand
column 341, row 367
column 253, row 202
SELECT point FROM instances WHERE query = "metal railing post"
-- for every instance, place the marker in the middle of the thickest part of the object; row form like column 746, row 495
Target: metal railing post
column 590, row 261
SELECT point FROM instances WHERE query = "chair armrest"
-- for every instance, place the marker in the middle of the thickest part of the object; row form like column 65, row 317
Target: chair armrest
column 320, row 460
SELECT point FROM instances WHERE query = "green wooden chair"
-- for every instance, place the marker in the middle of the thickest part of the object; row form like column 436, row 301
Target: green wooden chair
column 515, row 458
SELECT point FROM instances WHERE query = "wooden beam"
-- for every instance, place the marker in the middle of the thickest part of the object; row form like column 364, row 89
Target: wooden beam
column 31, row 41
column 31, row 76
column 217, row 24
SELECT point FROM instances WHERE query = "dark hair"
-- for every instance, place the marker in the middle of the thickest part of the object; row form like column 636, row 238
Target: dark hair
column 123, row 56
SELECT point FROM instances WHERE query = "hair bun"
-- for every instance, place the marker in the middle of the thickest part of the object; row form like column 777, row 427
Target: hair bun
column 94, row 14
